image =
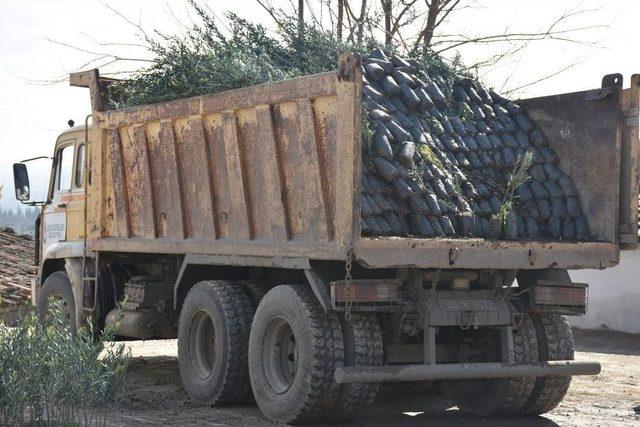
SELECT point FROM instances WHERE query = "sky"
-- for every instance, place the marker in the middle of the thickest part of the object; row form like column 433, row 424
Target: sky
column 33, row 34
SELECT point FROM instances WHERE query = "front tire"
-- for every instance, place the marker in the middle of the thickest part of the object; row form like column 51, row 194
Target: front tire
column 57, row 293
column 213, row 334
column 294, row 349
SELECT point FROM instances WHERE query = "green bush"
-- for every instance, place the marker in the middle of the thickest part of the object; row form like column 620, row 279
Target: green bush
column 207, row 58
column 48, row 375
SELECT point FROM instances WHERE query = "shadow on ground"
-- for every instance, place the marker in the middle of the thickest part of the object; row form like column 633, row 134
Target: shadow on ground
column 594, row 341
column 155, row 395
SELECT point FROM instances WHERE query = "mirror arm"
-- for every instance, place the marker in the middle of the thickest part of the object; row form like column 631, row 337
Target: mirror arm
column 33, row 203
column 36, row 158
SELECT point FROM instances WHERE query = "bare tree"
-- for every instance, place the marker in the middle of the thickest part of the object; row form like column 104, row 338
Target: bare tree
column 300, row 17
column 435, row 8
column 340, row 22
column 409, row 26
column 405, row 15
column 420, row 26
column 387, row 11
column 357, row 22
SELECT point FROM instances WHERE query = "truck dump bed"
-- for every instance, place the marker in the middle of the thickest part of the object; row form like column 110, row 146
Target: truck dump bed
column 274, row 171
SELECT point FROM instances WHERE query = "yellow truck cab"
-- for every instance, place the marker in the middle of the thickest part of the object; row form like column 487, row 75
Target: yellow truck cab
column 63, row 215
column 61, row 225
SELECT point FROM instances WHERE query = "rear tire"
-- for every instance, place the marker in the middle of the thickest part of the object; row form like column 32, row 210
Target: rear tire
column 500, row 396
column 254, row 290
column 362, row 347
column 213, row 336
column 294, row 349
column 555, row 342
column 57, row 291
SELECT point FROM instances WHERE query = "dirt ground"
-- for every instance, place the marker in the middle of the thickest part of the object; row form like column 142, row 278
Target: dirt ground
column 155, row 394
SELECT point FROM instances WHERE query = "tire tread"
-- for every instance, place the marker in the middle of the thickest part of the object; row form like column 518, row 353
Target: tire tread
column 367, row 351
column 556, row 343
column 237, row 312
column 328, row 347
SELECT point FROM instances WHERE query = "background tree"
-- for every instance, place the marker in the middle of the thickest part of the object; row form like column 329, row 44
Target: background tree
column 424, row 26
column 410, row 27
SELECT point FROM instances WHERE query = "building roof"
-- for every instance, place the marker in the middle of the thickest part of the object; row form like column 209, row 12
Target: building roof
column 17, row 267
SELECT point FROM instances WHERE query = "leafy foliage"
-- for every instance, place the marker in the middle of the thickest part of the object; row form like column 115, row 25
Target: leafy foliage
column 519, row 176
column 209, row 58
column 49, row 375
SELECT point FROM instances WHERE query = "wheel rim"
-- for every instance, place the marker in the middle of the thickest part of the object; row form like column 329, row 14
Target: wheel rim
column 202, row 344
column 280, row 355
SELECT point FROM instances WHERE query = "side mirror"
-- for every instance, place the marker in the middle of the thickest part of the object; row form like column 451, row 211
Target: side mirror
column 21, row 182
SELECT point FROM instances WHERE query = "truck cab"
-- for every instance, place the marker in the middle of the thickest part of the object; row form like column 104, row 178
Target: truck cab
column 60, row 228
column 63, row 214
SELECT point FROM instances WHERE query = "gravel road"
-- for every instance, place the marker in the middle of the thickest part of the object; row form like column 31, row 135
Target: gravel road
column 155, row 395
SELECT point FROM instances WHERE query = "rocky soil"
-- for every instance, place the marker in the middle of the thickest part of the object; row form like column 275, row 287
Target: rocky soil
column 612, row 398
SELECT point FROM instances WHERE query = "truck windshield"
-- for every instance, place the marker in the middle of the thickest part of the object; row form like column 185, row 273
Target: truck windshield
column 65, row 169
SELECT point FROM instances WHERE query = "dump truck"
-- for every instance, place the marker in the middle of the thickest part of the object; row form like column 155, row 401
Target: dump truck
column 232, row 221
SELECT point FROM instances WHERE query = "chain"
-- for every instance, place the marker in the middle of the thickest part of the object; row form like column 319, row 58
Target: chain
column 347, row 285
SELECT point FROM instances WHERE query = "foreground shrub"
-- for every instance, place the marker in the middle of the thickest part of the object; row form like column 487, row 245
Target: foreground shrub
column 47, row 375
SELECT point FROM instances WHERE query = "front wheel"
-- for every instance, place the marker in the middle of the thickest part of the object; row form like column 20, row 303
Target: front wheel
column 55, row 300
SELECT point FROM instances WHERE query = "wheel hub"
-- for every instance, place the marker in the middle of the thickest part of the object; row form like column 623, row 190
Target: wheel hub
column 202, row 344
column 280, row 355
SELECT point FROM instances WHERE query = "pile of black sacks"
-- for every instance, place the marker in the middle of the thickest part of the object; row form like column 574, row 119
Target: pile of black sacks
column 438, row 164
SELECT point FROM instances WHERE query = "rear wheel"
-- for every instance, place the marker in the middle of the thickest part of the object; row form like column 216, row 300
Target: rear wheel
column 56, row 294
column 213, row 335
column 294, row 349
column 362, row 347
column 555, row 342
column 498, row 396
column 255, row 291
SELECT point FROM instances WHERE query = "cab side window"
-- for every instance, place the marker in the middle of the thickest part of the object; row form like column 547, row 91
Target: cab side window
column 79, row 179
column 64, row 171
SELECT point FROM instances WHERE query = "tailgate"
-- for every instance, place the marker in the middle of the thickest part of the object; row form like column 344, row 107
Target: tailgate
column 595, row 134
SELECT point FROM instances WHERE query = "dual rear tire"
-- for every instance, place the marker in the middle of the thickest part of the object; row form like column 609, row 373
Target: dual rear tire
column 539, row 337
column 213, row 332
column 286, row 349
column 286, row 353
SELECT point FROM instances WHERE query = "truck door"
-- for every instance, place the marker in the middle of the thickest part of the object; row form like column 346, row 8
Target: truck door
column 62, row 219
column 75, row 203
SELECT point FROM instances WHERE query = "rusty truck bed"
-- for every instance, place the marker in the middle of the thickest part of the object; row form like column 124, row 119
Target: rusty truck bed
column 274, row 171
